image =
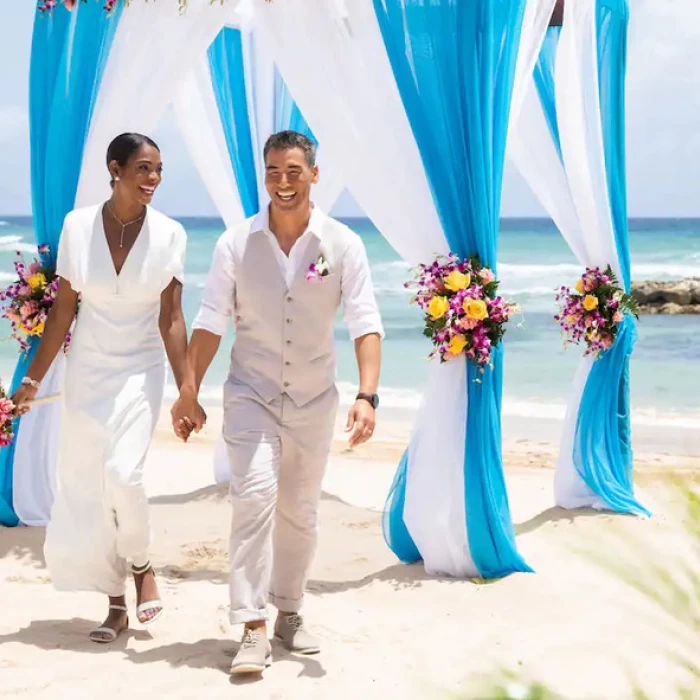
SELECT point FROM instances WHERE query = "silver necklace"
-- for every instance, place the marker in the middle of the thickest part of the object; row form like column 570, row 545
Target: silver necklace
column 128, row 223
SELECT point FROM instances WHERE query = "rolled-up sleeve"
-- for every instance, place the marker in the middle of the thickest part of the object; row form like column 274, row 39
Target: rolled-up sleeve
column 217, row 307
column 360, row 310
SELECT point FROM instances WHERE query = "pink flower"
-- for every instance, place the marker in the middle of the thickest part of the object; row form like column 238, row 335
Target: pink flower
column 467, row 324
column 606, row 341
column 486, row 275
column 617, row 318
column 29, row 308
column 6, row 407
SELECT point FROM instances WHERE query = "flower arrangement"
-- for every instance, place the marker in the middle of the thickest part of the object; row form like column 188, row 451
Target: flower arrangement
column 318, row 270
column 29, row 299
column 593, row 311
column 463, row 313
column 47, row 6
column 7, row 414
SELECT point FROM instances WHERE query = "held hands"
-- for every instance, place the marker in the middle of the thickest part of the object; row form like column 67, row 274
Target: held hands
column 361, row 421
column 22, row 399
column 187, row 416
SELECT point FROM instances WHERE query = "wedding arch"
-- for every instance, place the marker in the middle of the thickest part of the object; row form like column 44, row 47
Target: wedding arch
column 413, row 103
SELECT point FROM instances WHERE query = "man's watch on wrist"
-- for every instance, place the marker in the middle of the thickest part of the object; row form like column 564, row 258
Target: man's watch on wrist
column 373, row 399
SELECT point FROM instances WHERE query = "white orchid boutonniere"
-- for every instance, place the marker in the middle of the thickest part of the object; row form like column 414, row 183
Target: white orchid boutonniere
column 318, row 270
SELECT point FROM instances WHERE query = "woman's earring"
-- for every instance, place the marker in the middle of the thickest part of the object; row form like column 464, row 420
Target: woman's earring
column 117, row 178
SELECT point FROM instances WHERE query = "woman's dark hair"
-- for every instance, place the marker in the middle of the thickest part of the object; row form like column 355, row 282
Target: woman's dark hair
column 125, row 145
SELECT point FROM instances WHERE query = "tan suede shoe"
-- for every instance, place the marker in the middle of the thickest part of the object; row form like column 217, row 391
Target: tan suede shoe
column 290, row 630
column 254, row 654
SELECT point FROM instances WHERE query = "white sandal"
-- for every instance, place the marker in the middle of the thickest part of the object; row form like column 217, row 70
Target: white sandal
column 151, row 604
column 111, row 634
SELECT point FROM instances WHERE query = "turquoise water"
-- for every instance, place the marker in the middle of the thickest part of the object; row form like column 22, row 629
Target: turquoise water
column 533, row 261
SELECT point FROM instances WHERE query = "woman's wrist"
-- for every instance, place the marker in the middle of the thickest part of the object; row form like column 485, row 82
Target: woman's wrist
column 29, row 381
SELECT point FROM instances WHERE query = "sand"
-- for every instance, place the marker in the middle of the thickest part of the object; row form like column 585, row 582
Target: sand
column 388, row 630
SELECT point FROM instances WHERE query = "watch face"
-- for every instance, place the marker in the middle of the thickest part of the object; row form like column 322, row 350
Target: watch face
column 372, row 398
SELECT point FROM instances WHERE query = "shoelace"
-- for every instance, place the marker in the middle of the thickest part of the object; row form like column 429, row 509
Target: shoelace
column 295, row 621
column 250, row 639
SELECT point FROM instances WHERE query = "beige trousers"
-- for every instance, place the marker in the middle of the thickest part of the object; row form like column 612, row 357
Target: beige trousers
column 278, row 454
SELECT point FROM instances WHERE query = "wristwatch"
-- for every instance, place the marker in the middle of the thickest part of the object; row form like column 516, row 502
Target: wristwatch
column 373, row 399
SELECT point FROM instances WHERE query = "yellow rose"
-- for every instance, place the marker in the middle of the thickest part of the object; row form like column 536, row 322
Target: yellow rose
column 457, row 280
column 37, row 281
column 579, row 285
column 590, row 302
column 38, row 329
column 437, row 307
column 475, row 308
column 457, row 344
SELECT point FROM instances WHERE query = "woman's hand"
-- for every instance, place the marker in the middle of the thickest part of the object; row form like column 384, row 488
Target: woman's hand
column 22, row 399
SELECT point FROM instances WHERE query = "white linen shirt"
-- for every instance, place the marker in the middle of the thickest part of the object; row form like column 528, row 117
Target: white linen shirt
column 360, row 311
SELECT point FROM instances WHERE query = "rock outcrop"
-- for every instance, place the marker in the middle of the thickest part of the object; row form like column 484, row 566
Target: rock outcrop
column 677, row 297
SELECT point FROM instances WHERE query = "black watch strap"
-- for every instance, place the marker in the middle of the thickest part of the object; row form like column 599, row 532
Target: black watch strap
column 373, row 399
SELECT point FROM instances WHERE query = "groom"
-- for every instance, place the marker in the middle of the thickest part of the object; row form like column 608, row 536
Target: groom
column 281, row 276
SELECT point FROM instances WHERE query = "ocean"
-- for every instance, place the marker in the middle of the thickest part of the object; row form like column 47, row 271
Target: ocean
column 533, row 261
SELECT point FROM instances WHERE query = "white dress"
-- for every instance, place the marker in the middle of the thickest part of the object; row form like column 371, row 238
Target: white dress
column 114, row 382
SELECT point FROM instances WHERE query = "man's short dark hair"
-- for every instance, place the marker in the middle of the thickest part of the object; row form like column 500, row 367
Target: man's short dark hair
column 286, row 140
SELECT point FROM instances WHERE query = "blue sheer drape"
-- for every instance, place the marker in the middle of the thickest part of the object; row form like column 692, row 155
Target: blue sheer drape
column 454, row 64
column 602, row 444
column 544, row 82
column 228, row 79
column 287, row 112
column 69, row 53
column 228, row 73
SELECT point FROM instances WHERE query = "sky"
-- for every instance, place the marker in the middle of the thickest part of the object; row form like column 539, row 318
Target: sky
column 663, row 121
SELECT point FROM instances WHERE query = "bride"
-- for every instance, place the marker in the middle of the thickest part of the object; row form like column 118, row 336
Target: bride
column 122, row 262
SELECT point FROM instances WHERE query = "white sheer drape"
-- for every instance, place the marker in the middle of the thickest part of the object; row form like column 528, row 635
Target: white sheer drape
column 153, row 46
column 198, row 120
column 342, row 80
column 572, row 189
column 535, row 22
column 344, row 85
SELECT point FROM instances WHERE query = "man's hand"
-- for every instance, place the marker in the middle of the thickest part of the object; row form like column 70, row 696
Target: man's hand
column 187, row 415
column 360, row 425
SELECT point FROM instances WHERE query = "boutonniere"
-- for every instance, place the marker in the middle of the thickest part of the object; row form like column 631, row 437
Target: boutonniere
column 318, row 270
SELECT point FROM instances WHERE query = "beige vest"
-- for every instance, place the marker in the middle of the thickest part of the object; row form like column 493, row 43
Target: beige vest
column 284, row 338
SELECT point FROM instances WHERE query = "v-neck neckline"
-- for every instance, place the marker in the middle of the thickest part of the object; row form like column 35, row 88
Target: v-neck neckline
column 118, row 274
